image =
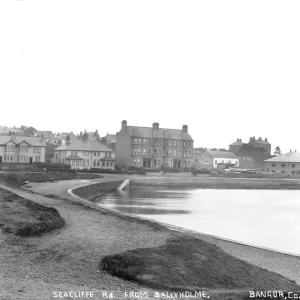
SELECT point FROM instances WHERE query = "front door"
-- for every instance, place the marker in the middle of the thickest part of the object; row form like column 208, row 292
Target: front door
column 30, row 160
column 0, row 159
column 144, row 164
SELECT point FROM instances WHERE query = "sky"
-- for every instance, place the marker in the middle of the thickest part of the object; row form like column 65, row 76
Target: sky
column 227, row 69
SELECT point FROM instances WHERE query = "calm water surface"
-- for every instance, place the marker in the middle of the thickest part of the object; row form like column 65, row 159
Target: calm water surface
column 266, row 218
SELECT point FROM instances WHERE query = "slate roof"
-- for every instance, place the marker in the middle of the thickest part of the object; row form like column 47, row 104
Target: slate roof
column 46, row 134
column 32, row 141
column 287, row 157
column 110, row 138
column 221, row 154
column 237, row 143
column 162, row 133
column 90, row 145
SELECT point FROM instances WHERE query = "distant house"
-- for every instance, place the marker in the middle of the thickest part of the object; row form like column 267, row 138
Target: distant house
column 19, row 149
column 219, row 157
column 151, row 147
column 288, row 163
column 85, row 154
column 256, row 143
column 110, row 140
column 235, row 147
column 4, row 130
column 48, row 136
column 197, row 152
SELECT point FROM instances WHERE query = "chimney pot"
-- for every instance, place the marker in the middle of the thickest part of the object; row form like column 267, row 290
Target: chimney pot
column 155, row 126
column 124, row 124
column 185, row 128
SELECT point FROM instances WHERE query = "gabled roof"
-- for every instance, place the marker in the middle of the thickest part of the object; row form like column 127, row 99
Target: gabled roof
column 161, row 133
column 89, row 145
column 264, row 142
column 287, row 157
column 46, row 134
column 32, row 141
column 221, row 154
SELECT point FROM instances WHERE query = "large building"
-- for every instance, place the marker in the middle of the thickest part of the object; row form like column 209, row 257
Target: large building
column 219, row 157
column 288, row 163
column 150, row 147
column 85, row 154
column 257, row 143
column 20, row 149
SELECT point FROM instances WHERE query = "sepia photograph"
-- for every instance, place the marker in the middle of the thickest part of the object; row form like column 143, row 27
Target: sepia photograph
column 149, row 149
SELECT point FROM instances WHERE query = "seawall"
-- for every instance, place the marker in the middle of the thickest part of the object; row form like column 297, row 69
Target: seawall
column 90, row 191
column 216, row 183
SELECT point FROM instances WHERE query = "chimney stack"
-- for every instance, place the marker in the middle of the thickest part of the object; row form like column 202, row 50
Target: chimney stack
column 155, row 126
column 124, row 124
column 185, row 128
column 266, row 139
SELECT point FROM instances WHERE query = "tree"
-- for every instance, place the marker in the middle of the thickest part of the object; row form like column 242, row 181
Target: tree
column 277, row 151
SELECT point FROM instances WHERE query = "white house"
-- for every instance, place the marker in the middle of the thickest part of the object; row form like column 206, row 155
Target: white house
column 85, row 154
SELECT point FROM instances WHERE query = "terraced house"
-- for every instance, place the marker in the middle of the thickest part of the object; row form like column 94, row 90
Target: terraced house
column 85, row 154
column 150, row 147
column 20, row 149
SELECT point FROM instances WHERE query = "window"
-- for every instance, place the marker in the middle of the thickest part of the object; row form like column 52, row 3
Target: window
column 139, row 141
column 293, row 172
column 77, row 163
column 159, row 152
column 37, row 149
column 24, row 149
column 134, row 162
column 170, row 152
column 135, row 152
column 37, row 158
column 293, row 165
column 144, row 151
column 98, row 163
column 170, row 163
column 273, row 165
column 135, row 141
column 149, row 152
column 283, row 165
column 139, row 151
column 94, row 163
column 145, row 141
column 87, row 162
column 174, row 153
column 98, row 153
column 179, row 153
column 155, row 152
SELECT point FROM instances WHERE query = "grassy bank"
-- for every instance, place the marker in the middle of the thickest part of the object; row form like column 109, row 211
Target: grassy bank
column 24, row 218
column 186, row 263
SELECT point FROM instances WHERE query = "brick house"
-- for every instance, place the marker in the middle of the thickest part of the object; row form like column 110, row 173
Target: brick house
column 150, row 147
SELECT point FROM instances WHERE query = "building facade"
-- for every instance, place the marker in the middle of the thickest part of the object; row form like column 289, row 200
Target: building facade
column 19, row 149
column 151, row 147
column 85, row 154
column 288, row 163
column 257, row 143
column 219, row 157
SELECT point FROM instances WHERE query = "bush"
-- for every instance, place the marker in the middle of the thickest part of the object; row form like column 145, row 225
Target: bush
column 52, row 166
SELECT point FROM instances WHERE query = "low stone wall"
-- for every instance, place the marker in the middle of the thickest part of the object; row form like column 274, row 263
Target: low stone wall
column 217, row 182
column 92, row 190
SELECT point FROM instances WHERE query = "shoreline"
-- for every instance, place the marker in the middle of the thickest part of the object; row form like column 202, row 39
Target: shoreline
column 183, row 230
column 260, row 256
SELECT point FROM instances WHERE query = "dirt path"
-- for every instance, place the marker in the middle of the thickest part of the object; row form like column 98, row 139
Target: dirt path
column 67, row 259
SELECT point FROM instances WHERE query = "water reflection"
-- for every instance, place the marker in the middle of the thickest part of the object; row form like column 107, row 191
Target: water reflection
column 267, row 218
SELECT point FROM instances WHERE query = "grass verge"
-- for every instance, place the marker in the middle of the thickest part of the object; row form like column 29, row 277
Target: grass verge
column 190, row 264
column 24, row 218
